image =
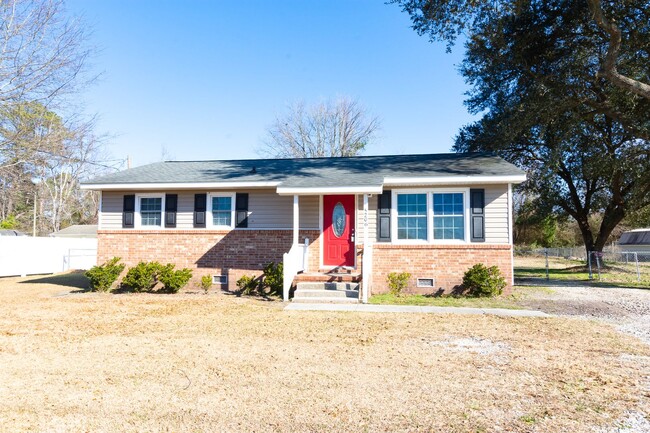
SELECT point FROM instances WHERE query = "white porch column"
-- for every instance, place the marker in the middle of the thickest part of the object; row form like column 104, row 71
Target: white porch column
column 296, row 222
column 510, row 234
column 365, row 220
column 367, row 253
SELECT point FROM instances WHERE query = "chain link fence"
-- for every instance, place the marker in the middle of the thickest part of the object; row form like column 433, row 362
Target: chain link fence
column 575, row 265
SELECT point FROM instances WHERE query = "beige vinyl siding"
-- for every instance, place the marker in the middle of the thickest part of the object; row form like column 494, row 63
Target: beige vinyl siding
column 309, row 212
column 267, row 210
column 112, row 203
column 496, row 214
column 496, row 208
column 185, row 210
column 372, row 218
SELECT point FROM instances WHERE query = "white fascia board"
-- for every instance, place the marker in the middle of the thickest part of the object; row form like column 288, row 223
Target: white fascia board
column 453, row 180
column 330, row 190
column 177, row 186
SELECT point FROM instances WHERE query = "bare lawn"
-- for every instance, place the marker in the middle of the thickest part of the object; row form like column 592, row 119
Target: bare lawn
column 194, row 362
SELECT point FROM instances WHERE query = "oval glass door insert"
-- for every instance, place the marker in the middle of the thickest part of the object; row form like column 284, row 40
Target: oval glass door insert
column 338, row 220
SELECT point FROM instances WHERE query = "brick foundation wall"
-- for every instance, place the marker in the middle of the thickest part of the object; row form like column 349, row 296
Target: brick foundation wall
column 445, row 263
column 207, row 252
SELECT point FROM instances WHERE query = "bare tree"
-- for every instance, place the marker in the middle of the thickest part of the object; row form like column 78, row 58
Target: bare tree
column 339, row 128
column 43, row 54
column 75, row 157
column 44, row 59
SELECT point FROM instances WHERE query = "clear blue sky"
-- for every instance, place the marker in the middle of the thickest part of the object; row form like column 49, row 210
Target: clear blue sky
column 205, row 79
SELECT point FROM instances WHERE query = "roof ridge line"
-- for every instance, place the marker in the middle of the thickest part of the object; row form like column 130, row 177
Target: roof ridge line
column 458, row 154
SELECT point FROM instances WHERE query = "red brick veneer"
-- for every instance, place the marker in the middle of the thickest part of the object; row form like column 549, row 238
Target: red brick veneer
column 206, row 252
column 445, row 263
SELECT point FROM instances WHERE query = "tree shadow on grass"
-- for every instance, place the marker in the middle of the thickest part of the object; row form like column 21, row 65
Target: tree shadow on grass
column 74, row 279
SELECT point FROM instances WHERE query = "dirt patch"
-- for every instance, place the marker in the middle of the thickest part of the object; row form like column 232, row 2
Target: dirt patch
column 194, row 362
column 626, row 308
column 474, row 345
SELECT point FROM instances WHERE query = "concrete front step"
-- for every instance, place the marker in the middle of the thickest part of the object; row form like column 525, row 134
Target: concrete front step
column 327, row 278
column 326, row 292
column 326, row 300
column 329, row 286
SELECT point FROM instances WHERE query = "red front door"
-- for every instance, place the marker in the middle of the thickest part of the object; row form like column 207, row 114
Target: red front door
column 338, row 230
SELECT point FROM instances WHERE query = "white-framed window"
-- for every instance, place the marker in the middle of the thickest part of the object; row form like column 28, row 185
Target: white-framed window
column 221, row 280
column 432, row 215
column 426, row 282
column 149, row 210
column 412, row 216
column 449, row 216
column 221, row 207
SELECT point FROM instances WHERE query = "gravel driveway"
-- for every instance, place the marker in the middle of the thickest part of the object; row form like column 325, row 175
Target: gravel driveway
column 627, row 309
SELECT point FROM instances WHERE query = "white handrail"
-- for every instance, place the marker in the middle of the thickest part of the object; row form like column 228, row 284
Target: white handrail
column 293, row 262
column 366, row 273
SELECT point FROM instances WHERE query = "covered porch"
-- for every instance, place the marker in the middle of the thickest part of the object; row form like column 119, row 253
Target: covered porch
column 343, row 270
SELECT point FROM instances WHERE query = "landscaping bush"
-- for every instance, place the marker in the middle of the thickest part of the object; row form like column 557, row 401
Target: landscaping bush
column 173, row 280
column 102, row 277
column 248, row 285
column 206, row 283
column 481, row 281
column 143, row 277
column 273, row 278
column 397, row 282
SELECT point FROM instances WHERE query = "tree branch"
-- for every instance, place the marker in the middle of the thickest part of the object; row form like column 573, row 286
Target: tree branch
column 608, row 68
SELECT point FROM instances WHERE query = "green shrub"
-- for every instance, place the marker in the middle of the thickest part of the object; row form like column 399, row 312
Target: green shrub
column 143, row 277
column 206, row 283
column 273, row 278
column 102, row 277
column 174, row 280
column 9, row 223
column 248, row 285
column 481, row 281
column 397, row 282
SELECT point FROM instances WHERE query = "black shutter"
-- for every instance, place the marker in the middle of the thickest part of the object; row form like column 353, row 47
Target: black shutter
column 199, row 209
column 128, row 211
column 241, row 210
column 171, row 204
column 383, row 216
column 477, row 214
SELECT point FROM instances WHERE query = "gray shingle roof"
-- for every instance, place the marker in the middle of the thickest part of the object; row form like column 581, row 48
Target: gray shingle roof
column 314, row 172
column 77, row 231
column 635, row 237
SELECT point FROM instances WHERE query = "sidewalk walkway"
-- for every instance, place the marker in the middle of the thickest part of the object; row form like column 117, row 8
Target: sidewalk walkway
column 370, row 308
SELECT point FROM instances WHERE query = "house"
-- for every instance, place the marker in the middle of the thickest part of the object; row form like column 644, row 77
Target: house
column 635, row 241
column 77, row 231
column 327, row 219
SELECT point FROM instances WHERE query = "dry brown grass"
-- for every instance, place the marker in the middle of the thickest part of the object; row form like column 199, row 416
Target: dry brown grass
column 191, row 362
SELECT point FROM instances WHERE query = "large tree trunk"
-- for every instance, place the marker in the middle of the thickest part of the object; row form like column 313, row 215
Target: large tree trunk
column 611, row 218
column 585, row 230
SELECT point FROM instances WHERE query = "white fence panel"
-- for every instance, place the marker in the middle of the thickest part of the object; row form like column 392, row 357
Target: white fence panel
column 24, row 255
